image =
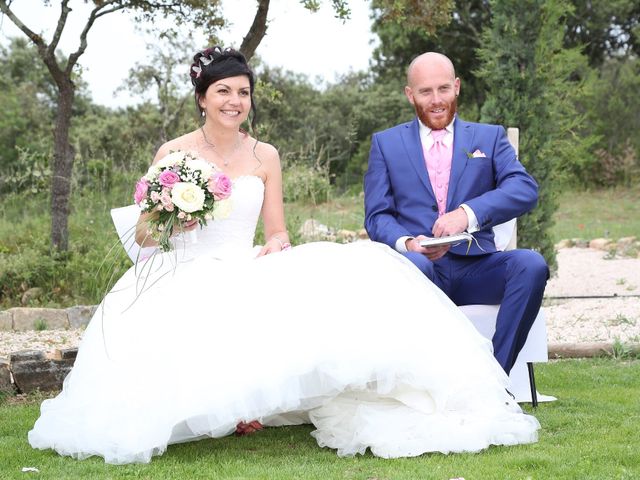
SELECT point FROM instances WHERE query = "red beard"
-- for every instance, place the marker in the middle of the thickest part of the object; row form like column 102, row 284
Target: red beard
column 423, row 115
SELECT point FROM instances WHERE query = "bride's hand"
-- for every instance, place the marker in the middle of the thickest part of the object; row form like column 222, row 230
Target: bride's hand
column 189, row 225
column 185, row 226
column 274, row 244
column 271, row 246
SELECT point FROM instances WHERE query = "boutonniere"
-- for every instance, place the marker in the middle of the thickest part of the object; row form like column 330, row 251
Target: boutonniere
column 476, row 154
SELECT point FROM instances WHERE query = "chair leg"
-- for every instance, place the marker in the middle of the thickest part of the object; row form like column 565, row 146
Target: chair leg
column 532, row 383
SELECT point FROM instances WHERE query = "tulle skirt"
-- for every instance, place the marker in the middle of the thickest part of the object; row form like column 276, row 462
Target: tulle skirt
column 352, row 338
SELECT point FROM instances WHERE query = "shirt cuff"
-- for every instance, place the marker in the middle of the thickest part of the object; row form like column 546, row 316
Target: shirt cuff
column 401, row 244
column 471, row 218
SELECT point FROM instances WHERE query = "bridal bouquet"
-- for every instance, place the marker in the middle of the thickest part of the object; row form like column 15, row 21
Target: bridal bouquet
column 180, row 188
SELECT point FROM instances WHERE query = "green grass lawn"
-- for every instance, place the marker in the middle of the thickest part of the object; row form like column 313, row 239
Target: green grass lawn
column 591, row 432
column 611, row 213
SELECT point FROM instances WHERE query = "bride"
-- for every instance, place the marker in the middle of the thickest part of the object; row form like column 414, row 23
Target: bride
column 352, row 338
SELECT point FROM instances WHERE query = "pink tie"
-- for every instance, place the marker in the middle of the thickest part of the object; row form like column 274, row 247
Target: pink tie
column 438, row 137
column 439, row 168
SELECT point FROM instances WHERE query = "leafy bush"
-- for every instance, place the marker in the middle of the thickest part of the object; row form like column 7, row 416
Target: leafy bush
column 306, row 174
column 73, row 277
column 306, row 183
column 30, row 172
column 21, row 271
column 617, row 168
column 611, row 107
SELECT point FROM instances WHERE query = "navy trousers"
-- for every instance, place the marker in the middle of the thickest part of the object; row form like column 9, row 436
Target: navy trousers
column 515, row 279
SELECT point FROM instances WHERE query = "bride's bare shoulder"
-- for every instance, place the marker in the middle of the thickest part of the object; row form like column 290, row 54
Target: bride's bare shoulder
column 186, row 142
column 266, row 152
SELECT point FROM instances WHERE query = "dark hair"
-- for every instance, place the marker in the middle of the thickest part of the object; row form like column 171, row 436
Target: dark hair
column 216, row 63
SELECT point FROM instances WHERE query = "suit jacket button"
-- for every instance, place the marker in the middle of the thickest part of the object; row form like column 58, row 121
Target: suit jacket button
column 434, row 208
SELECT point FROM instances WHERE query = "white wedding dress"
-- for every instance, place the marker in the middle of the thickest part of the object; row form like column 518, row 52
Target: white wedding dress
column 352, row 338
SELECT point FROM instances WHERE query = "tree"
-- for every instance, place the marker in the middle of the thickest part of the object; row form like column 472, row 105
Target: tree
column 27, row 96
column 604, row 29
column 421, row 15
column 257, row 31
column 611, row 106
column 532, row 85
column 258, row 28
column 200, row 12
column 163, row 76
column 26, row 100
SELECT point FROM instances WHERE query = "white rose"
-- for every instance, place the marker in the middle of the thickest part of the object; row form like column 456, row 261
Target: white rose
column 187, row 196
column 206, row 170
column 222, row 208
column 170, row 160
column 152, row 173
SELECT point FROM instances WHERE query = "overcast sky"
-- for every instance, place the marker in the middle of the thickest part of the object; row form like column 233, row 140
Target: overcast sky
column 315, row 44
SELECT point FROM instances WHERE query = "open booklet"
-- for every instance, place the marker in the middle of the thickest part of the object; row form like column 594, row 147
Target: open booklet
column 447, row 240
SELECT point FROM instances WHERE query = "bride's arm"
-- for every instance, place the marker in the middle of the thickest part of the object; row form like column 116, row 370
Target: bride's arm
column 275, row 230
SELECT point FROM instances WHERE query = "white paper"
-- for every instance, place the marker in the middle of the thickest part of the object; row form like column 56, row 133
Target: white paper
column 447, row 240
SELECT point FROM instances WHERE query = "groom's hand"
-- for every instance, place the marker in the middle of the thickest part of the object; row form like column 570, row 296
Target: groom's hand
column 451, row 223
column 432, row 253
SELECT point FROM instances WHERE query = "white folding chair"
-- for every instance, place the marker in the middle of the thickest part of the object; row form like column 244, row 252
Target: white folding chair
column 125, row 219
column 483, row 317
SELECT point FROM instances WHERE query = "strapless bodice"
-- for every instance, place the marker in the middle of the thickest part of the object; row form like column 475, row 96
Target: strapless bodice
column 234, row 234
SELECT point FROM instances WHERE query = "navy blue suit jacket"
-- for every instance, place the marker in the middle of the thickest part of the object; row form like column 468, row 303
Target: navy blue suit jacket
column 399, row 200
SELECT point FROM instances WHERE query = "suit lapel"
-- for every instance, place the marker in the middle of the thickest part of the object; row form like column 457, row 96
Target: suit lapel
column 413, row 147
column 462, row 141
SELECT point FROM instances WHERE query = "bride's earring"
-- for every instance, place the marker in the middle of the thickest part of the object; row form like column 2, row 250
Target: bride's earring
column 204, row 113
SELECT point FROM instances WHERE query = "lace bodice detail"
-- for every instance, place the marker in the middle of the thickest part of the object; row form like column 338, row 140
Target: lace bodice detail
column 234, row 234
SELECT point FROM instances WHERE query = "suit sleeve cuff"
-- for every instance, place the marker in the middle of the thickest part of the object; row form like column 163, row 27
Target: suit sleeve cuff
column 401, row 244
column 471, row 217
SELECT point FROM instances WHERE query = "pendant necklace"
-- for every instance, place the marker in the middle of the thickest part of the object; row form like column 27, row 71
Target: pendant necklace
column 225, row 160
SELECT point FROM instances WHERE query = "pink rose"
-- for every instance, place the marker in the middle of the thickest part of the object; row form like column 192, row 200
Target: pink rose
column 168, row 178
column 219, row 185
column 141, row 190
column 166, row 202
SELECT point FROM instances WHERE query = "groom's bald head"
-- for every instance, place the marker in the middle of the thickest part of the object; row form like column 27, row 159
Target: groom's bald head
column 427, row 62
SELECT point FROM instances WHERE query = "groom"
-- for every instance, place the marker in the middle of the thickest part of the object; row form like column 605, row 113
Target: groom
column 439, row 175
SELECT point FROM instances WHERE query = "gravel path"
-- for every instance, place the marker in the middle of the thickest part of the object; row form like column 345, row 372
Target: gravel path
column 581, row 272
column 588, row 272
column 46, row 340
